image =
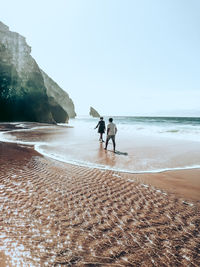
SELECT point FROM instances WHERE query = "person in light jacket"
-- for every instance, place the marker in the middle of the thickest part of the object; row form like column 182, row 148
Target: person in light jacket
column 111, row 132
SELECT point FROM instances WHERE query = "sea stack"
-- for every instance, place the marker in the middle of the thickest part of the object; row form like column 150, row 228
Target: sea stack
column 27, row 93
column 94, row 113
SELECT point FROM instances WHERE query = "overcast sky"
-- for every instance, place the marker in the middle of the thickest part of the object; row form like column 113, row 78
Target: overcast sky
column 123, row 57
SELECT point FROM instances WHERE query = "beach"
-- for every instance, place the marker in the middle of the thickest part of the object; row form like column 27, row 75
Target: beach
column 55, row 213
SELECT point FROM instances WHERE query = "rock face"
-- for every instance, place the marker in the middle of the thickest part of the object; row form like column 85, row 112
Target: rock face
column 23, row 92
column 94, row 113
column 59, row 95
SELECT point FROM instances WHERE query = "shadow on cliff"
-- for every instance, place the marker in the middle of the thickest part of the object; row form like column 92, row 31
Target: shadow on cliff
column 18, row 103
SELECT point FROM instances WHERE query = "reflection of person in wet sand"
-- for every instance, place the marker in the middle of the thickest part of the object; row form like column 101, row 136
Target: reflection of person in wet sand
column 111, row 132
column 101, row 128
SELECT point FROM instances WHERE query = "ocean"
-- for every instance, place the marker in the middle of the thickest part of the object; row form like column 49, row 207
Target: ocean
column 153, row 144
column 185, row 128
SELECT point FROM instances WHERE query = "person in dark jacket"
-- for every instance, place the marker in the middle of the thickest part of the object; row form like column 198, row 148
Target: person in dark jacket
column 101, row 128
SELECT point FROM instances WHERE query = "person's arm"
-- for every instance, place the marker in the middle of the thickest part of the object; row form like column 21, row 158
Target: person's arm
column 108, row 129
column 115, row 129
column 97, row 125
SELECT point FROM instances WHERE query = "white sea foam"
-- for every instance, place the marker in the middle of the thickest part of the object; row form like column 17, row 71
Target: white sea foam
column 176, row 128
column 5, row 137
column 81, row 163
column 38, row 147
column 127, row 127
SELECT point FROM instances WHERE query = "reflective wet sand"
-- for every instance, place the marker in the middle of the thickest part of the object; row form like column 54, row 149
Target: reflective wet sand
column 56, row 214
column 80, row 145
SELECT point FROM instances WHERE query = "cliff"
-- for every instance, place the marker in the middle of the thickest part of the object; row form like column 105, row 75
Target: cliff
column 60, row 96
column 94, row 113
column 23, row 93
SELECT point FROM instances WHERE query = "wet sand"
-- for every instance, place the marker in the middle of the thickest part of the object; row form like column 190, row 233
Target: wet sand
column 182, row 183
column 57, row 214
column 80, row 145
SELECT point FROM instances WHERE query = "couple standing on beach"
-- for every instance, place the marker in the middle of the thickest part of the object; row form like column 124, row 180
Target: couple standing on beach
column 111, row 131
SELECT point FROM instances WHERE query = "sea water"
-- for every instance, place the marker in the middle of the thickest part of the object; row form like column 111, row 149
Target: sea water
column 153, row 144
column 183, row 128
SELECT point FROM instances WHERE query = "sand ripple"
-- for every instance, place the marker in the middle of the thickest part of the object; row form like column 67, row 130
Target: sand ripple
column 53, row 214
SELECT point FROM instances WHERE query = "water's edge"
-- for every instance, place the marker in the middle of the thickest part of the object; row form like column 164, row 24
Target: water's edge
column 38, row 147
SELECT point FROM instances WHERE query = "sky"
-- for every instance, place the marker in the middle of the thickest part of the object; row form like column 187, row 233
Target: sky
column 122, row 57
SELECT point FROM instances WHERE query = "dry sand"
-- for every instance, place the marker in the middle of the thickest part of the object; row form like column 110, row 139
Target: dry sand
column 56, row 214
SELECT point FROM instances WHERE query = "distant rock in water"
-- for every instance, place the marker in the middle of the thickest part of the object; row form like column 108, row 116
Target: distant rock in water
column 94, row 113
column 26, row 94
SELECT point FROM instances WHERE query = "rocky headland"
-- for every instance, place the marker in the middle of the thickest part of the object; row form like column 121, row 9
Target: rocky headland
column 26, row 92
column 56, row 92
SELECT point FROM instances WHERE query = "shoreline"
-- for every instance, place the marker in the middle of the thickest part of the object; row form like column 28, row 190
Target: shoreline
column 173, row 181
column 154, row 155
column 192, row 192
column 91, row 164
column 185, row 182
column 54, row 213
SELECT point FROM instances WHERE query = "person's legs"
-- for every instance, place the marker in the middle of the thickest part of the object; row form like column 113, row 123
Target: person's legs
column 107, row 139
column 101, row 136
column 114, row 144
